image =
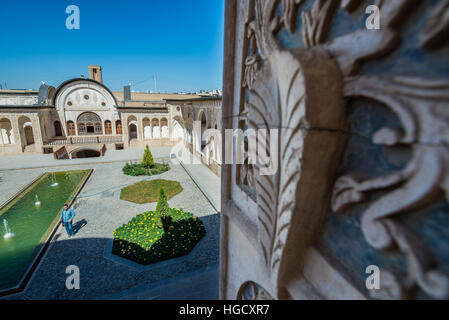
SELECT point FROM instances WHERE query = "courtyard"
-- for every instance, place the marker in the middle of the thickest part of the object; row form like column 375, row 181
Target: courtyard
column 99, row 211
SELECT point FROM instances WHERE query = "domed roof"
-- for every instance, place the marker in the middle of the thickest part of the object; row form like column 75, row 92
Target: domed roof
column 45, row 92
column 65, row 83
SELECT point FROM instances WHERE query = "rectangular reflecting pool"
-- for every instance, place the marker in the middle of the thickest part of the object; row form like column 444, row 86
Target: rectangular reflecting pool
column 28, row 220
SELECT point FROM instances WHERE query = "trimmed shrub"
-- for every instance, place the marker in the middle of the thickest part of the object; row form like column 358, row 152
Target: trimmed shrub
column 137, row 169
column 134, row 170
column 147, row 161
column 163, row 210
column 142, row 241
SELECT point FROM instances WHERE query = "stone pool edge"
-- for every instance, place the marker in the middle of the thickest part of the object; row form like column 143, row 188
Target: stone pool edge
column 24, row 281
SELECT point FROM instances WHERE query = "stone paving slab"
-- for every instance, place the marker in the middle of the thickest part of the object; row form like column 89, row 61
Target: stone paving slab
column 198, row 285
column 99, row 211
column 206, row 180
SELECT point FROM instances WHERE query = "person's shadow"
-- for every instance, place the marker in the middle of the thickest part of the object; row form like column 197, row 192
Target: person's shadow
column 78, row 225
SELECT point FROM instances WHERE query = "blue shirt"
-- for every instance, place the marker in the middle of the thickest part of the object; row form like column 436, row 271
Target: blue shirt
column 67, row 215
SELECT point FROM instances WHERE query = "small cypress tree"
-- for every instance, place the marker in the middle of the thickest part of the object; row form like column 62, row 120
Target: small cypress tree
column 147, row 160
column 163, row 211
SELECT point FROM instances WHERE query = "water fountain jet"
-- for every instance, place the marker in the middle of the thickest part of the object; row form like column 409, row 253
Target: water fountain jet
column 53, row 180
column 8, row 233
column 37, row 202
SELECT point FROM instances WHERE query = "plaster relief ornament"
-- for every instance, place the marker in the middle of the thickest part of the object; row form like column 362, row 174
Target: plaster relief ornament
column 422, row 107
column 301, row 93
column 286, row 94
column 436, row 31
column 252, row 291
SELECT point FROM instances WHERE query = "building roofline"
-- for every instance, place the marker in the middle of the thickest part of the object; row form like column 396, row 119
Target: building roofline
column 32, row 106
column 62, row 85
column 145, row 101
column 196, row 99
column 141, row 108
column 19, row 92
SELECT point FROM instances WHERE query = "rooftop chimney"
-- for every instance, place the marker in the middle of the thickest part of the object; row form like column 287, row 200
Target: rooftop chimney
column 95, row 73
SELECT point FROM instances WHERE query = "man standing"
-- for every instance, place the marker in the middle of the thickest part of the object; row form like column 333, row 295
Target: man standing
column 67, row 216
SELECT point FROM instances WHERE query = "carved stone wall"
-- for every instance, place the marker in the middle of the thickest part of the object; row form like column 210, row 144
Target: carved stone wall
column 356, row 123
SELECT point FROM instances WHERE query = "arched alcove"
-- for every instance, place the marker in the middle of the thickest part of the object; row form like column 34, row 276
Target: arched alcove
column 146, row 128
column 26, row 131
column 89, row 123
column 156, row 128
column 6, row 132
column 164, row 128
column 58, row 129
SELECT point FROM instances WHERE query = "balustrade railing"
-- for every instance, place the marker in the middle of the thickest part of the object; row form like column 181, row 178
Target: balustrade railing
column 84, row 140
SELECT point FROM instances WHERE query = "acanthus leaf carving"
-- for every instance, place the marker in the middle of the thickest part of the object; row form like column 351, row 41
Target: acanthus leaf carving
column 371, row 44
column 421, row 106
column 281, row 109
column 278, row 101
column 253, row 291
column 276, row 88
column 351, row 5
column 317, row 22
column 263, row 26
column 436, row 31
column 260, row 41
column 290, row 12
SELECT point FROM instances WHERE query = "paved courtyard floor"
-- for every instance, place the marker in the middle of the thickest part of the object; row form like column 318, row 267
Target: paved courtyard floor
column 29, row 161
column 99, row 211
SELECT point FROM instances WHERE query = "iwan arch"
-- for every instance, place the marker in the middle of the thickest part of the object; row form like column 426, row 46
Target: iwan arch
column 83, row 112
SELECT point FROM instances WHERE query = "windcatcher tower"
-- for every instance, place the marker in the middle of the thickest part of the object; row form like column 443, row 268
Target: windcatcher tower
column 95, row 73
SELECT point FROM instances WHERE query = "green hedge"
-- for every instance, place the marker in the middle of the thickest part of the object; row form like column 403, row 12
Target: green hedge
column 142, row 241
column 137, row 169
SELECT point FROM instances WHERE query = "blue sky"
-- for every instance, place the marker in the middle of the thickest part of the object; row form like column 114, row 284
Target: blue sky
column 181, row 41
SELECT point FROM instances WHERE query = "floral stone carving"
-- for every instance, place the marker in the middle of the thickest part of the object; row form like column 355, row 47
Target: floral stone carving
column 301, row 92
column 422, row 109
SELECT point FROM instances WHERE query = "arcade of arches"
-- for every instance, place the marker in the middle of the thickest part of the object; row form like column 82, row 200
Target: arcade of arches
column 83, row 111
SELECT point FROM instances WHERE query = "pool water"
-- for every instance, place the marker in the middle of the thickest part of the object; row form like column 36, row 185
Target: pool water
column 30, row 224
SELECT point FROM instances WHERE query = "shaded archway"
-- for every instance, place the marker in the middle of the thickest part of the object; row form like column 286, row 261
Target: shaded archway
column 146, row 128
column 6, row 132
column 203, row 120
column 85, row 153
column 156, row 129
column 132, row 131
column 26, row 131
column 189, row 136
column 29, row 137
column 178, row 128
column 89, row 123
column 164, row 128
column 132, row 128
column 58, row 129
